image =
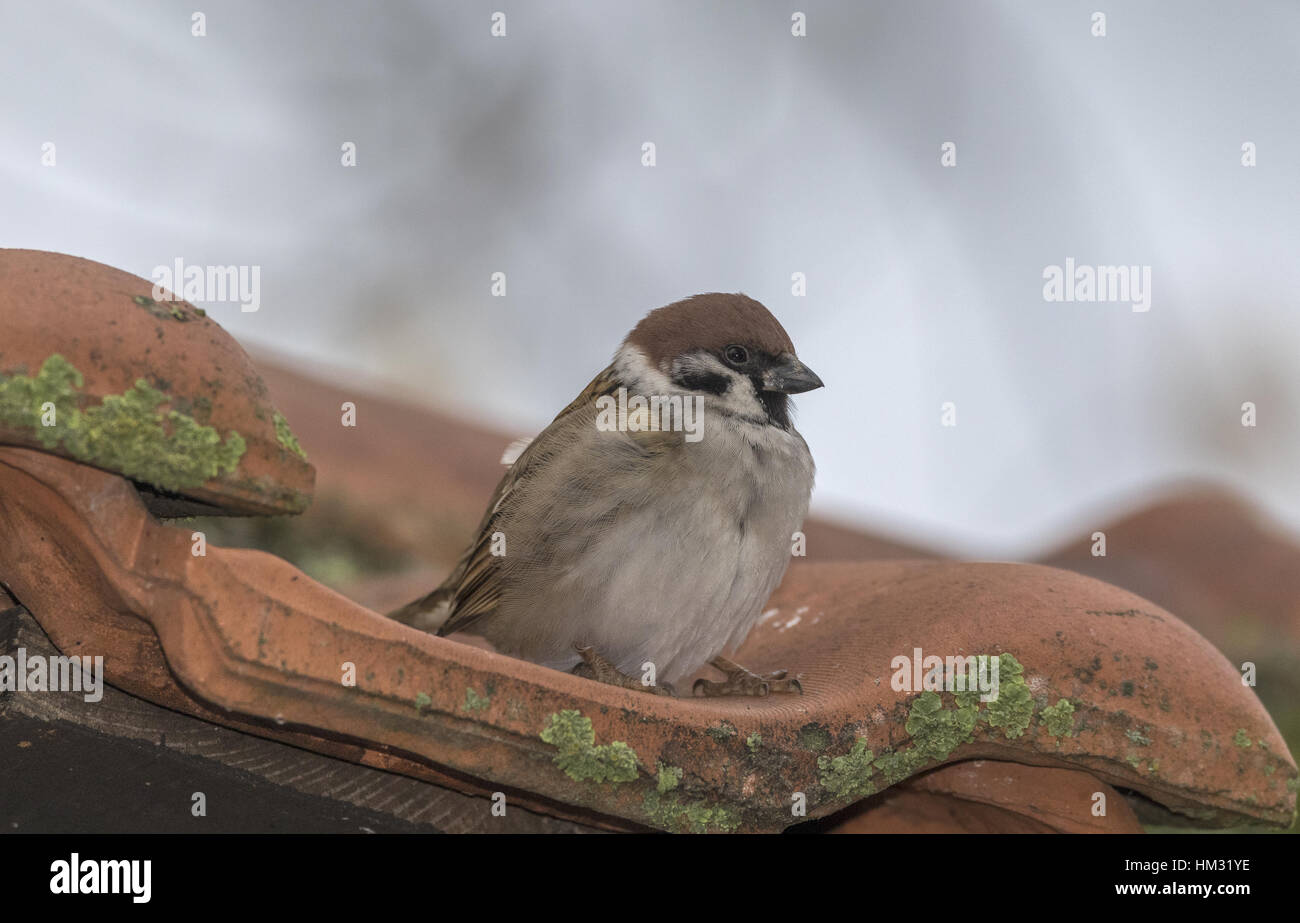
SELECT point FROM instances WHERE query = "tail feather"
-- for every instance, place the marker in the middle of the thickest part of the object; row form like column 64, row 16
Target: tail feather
column 428, row 613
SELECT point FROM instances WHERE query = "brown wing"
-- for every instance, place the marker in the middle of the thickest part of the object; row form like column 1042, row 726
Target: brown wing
column 470, row 592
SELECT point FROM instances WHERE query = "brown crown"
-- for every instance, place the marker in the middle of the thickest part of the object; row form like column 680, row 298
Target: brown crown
column 710, row 321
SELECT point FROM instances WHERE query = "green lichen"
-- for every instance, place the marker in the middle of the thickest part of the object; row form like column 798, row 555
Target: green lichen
column 422, row 701
column 667, row 778
column 164, row 309
column 849, row 776
column 721, row 732
column 897, row 765
column 1241, row 739
column 22, row 399
column 754, row 742
column 1013, row 709
column 1058, row 719
column 579, row 755
column 673, row 812
column 1138, row 737
column 937, row 731
column 1293, row 784
column 474, row 701
column 286, row 437
column 126, row 433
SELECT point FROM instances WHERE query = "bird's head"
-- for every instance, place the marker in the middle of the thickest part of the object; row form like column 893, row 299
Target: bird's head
column 727, row 347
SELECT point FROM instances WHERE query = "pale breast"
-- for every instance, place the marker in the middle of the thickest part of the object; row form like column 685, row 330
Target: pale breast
column 675, row 561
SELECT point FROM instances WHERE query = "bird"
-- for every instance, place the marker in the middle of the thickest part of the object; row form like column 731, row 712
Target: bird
column 637, row 537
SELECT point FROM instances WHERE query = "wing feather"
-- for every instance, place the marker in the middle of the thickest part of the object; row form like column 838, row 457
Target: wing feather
column 470, row 592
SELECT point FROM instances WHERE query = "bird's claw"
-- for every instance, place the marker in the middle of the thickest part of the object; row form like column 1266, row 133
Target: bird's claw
column 740, row 681
column 596, row 667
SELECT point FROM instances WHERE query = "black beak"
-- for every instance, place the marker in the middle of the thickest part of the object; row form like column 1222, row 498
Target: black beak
column 790, row 376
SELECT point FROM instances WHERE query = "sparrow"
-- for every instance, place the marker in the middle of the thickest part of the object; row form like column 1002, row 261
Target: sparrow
column 637, row 537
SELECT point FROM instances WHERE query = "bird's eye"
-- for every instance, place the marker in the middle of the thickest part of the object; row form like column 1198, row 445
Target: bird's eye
column 736, row 355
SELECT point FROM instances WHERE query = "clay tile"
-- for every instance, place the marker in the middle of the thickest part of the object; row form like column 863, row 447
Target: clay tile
column 993, row 796
column 1093, row 679
column 94, row 368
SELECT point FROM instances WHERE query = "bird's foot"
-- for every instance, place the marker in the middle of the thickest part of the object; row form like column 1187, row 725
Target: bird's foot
column 596, row 667
column 740, row 681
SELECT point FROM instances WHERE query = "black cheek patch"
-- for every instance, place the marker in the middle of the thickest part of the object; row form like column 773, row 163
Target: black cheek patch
column 777, row 406
column 708, row 382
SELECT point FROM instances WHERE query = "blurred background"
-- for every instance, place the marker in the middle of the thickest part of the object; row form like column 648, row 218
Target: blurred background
column 522, row 154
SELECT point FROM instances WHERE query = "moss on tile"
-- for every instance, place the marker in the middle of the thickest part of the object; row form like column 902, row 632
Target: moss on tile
column 722, row 732
column 285, row 436
column 897, row 765
column 667, row 778
column 1142, row 740
column 849, row 776
column 474, row 701
column 1058, row 719
column 937, row 731
column 1013, row 709
column 126, row 433
column 581, row 758
column 672, row 811
column 814, row 737
column 173, row 310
